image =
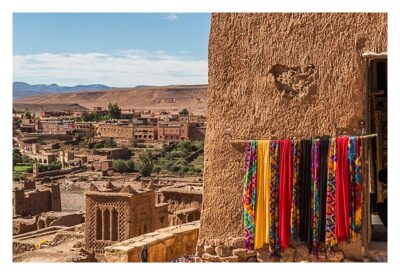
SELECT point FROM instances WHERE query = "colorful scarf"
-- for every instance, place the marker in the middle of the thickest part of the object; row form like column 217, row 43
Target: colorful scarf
column 342, row 190
column 355, row 186
column 295, row 206
column 249, row 193
column 330, row 237
column 274, row 244
column 262, row 191
column 315, row 212
column 285, row 191
column 305, row 228
column 323, row 160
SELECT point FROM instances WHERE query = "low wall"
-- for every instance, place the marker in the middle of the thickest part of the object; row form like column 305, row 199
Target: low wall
column 61, row 172
column 163, row 245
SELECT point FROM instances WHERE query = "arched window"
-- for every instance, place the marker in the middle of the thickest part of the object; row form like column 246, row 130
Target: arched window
column 114, row 225
column 99, row 225
column 107, row 224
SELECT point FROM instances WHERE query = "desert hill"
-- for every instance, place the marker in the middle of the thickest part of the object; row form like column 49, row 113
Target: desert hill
column 171, row 98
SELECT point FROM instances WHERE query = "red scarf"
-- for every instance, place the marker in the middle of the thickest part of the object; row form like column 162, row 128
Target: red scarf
column 342, row 190
column 285, row 191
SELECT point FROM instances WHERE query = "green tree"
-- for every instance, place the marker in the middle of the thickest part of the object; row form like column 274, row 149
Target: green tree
column 146, row 163
column 85, row 116
column 56, row 165
column 114, row 111
column 184, row 112
column 110, row 143
column 16, row 156
column 27, row 114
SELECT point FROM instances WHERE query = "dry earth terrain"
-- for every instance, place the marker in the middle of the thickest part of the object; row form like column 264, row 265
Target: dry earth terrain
column 169, row 98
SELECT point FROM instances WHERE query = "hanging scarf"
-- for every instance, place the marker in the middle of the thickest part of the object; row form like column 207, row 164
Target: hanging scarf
column 351, row 163
column 342, row 190
column 249, row 193
column 323, row 162
column 274, row 244
column 305, row 229
column 315, row 203
column 285, row 191
column 295, row 206
column 330, row 237
column 262, row 192
column 355, row 186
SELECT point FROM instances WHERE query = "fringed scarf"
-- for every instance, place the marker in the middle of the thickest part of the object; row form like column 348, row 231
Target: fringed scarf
column 355, row 186
column 249, row 193
column 330, row 237
column 295, row 206
column 285, row 191
column 342, row 190
column 305, row 231
column 262, row 191
column 315, row 203
column 274, row 244
column 323, row 160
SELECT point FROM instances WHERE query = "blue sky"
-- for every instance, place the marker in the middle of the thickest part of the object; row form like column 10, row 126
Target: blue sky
column 116, row 49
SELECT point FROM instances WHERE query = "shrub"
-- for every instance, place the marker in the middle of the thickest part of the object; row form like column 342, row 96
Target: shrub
column 120, row 166
column 54, row 166
column 130, row 165
column 98, row 145
column 110, row 143
column 146, row 170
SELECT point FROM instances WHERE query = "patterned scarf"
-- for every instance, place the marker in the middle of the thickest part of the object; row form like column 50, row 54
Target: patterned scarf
column 274, row 246
column 330, row 237
column 295, row 207
column 249, row 193
column 315, row 213
column 355, row 186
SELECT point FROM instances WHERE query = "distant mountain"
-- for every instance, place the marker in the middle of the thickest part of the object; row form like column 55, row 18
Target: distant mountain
column 170, row 98
column 24, row 89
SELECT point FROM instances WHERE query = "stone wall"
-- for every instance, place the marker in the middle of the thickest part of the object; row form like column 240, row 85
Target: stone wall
column 163, row 245
column 277, row 75
column 61, row 171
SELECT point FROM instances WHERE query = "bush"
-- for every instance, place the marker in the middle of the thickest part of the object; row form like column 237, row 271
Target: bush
column 110, row 143
column 120, row 166
column 174, row 168
column 130, row 165
column 146, row 170
column 54, row 166
column 98, row 145
column 184, row 169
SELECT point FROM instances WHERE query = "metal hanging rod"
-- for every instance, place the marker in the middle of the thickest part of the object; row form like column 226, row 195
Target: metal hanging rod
column 244, row 141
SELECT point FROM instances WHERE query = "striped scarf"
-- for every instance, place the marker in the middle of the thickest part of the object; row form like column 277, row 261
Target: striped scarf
column 249, row 193
column 315, row 212
column 355, row 186
column 330, row 237
column 295, row 207
column 274, row 246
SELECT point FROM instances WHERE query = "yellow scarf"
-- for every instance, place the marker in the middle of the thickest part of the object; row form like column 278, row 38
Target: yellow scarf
column 262, row 192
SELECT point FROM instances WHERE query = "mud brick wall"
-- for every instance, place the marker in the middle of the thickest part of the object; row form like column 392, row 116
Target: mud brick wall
column 281, row 75
column 163, row 245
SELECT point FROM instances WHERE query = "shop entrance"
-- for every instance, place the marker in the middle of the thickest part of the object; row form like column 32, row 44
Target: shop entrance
column 377, row 93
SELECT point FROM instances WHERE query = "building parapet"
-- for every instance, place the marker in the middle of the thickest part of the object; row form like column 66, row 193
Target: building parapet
column 162, row 245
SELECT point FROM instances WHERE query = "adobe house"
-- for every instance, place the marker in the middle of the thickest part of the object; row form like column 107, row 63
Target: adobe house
column 115, row 214
column 285, row 75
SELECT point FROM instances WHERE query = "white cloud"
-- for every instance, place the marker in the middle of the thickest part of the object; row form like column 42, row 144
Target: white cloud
column 171, row 17
column 122, row 69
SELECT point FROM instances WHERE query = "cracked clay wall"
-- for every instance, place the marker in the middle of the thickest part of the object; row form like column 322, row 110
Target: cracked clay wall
column 278, row 74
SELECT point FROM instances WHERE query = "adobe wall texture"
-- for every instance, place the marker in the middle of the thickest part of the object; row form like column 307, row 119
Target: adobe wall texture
column 280, row 75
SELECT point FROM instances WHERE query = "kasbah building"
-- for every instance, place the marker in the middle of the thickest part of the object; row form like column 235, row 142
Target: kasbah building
column 286, row 75
column 270, row 75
